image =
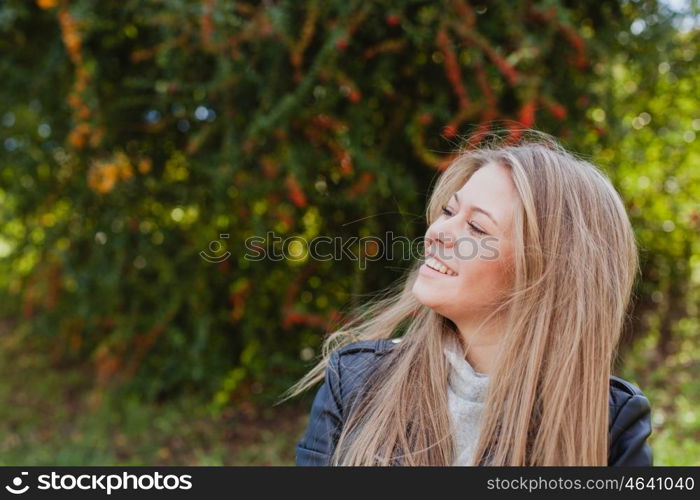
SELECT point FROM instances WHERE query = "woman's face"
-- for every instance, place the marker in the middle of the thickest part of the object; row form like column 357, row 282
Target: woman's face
column 478, row 262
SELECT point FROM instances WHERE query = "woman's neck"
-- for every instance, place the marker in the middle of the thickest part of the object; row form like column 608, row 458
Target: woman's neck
column 481, row 347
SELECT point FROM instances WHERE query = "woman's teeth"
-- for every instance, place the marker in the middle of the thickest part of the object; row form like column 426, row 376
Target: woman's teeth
column 439, row 267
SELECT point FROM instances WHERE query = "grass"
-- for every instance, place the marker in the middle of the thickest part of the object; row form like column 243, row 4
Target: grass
column 672, row 386
column 54, row 416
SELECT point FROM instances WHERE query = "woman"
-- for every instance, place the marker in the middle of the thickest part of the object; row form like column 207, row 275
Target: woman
column 497, row 347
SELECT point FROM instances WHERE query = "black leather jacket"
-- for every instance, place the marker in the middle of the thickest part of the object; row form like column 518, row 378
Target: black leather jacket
column 630, row 422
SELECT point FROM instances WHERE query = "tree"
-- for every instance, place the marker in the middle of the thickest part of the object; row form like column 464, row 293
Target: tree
column 141, row 134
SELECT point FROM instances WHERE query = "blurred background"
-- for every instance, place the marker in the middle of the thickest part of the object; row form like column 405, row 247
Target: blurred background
column 142, row 142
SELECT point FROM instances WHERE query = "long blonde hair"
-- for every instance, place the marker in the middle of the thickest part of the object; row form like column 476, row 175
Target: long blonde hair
column 575, row 262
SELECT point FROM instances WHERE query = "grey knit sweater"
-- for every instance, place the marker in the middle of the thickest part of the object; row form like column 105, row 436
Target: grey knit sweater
column 466, row 392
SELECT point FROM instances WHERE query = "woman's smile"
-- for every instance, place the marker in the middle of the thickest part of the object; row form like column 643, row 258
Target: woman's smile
column 433, row 267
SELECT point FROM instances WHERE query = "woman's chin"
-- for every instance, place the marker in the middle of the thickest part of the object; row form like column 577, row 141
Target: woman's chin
column 429, row 298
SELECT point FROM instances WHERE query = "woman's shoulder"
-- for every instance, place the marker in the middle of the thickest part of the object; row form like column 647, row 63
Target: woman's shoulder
column 354, row 359
column 621, row 391
column 626, row 401
column 625, row 398
column 630, row 424
column 376, row 346
column 350, row 366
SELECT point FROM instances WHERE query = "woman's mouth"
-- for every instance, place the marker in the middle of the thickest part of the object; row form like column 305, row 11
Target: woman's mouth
column 438, row 266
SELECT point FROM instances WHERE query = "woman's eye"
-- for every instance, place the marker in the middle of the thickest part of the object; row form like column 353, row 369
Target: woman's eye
column 475, row 229
column 446, row 210
column 472, row 227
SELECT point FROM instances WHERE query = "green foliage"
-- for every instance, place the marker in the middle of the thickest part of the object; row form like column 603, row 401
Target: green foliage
column 652, row 152
column 135, row 135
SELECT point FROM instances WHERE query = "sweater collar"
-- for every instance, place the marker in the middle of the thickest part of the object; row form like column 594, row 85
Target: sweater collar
column 464, row 381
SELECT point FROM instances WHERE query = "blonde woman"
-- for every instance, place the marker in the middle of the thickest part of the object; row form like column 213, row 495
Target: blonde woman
column 497, row 347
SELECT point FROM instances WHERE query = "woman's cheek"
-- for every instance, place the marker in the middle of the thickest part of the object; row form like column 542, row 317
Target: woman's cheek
column 481, row 278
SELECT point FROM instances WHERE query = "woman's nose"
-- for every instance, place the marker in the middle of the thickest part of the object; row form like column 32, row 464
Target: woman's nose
column 441, row 232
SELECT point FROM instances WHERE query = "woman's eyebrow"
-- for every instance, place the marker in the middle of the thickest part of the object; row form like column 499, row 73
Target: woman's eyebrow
column 478, row 209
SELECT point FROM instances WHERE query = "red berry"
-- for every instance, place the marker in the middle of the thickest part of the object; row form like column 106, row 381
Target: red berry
column 425, row 118
column 449, row 131
column 341, row 44
column 393, row 20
